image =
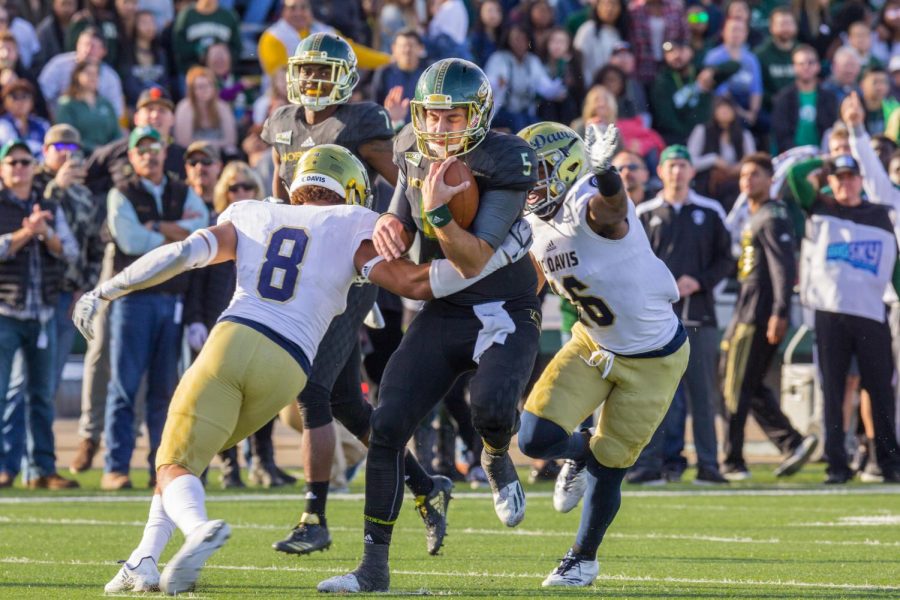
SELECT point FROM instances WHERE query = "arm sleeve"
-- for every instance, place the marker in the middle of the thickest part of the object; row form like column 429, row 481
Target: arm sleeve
column 801, row 188
column 70, row 250
column 876, row 182
column 777, row 240
column 400, row 207
column 127, row 232
column 497, row 211
column 194, row 203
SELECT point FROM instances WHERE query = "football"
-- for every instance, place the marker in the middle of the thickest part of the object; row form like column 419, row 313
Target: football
column 464, row 205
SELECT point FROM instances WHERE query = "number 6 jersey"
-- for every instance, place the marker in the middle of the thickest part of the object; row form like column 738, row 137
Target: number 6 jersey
column 295, row 265
column 623, row 292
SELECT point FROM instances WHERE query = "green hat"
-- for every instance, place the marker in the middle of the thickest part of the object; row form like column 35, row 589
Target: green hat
column 140, row 133
column 11, row 144
column 675, row 151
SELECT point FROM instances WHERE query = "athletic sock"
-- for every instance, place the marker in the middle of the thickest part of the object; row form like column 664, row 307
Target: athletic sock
column 384, row 494
column 373, row 572
column 316, row 498
column 157, row 532
column 418, row 481
column 184, row 502
column 601, row 503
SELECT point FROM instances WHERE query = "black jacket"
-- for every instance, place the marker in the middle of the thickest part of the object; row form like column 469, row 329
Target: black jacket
column 786, row 114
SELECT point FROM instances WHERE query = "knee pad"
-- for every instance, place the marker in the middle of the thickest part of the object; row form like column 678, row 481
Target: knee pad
column 315, row 406
column 540, row 438
column 355, row 415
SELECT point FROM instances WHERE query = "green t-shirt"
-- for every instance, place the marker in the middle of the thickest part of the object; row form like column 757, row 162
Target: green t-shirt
column 777, row 70
column 807, row 132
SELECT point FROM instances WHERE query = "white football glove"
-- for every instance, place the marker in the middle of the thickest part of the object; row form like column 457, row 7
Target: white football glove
column 601, row 146
column 197, row 334
column 85, row 310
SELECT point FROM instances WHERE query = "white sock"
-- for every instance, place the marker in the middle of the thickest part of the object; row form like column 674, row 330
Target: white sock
column 157, row 532
column 185, row 502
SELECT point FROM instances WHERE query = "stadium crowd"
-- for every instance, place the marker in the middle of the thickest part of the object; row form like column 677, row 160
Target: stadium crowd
column 128, row 124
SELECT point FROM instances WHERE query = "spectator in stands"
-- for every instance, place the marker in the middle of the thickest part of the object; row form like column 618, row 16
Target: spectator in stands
column 633, row 130
column 51, row 31
column 563, row 63
column 86, row 110
column 274, row 97
column 147, row 210
column 845, row 70
column 403, row 72
column 518, row 78
column 99, row 14
column 682, row 95
column 148, row 66
column 887, row 28
column 744, row 87
column 277, row 43
column 19, row 121
column 634, row 174
column 814, row 24
column 34, row 11
column 698, row 23
column 61, row 176
column 126, row 11
column 687, row 231
column 11, row 68
column 202, row 116
column 484, row 39
column 449, row 24
column 635, row 93
column 653, row 22
column 717, row 148
column 32, row 261
column 599, row 107
column 875, row 88
column 804, row 111
column 22, row 30
column 539, row 20
column 394, row 17
column 203, row 164
column 775, row 55
column 57, row 74
column 599, row 35
column 198, row 27
column 859, row 38
column 237, row 92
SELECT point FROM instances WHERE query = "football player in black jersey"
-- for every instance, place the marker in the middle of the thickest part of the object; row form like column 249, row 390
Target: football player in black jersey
column 490, row 328
column 320, row 79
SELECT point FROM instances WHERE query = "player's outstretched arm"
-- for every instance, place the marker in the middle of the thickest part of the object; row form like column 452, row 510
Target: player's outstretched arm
column 608, row 209
column 201, row 248
column 401, row 276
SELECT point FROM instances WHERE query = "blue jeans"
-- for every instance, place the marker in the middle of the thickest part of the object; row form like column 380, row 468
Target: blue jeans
column 37, row 367
column 65, row 335
column 143, row 338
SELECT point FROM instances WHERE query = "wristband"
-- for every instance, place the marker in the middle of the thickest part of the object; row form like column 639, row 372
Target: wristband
column 367, row 268
column 439, row 217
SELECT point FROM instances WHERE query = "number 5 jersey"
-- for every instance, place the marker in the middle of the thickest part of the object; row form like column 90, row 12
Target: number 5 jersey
column 295, row 265
column 623, row 292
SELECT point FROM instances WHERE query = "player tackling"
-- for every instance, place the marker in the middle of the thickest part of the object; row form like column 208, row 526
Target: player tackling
column 628, row 351
column 295, row 264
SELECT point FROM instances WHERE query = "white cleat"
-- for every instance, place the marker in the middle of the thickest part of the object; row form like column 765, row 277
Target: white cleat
column 570, row 486
column 182, row 571
column 340, row 584
column 573, row 572
column 509, row 504
column 142, row 578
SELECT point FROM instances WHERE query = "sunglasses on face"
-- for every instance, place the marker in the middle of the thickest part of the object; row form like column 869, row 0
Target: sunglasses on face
column 66, row 147
column 20, row 96
column 205, row 161
column 630, row 167
column 19, row 162
column 149, row 149
column 241, row 187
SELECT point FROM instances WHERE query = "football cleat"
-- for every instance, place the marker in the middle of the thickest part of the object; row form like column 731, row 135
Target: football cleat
column 798, row 457
column 308, row 536
column 141, row 578
column 570, row 485
column 182, row 571
column 509, row 498
column 573, row 572
column 433, row 510
column 356, row 582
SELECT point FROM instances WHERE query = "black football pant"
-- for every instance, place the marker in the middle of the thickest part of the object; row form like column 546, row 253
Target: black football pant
column 435, row 351
column 838, row 338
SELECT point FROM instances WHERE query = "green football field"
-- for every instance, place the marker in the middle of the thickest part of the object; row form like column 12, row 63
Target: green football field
column 761, row 540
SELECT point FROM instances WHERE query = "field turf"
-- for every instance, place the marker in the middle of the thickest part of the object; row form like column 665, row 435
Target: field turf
column 760, row 540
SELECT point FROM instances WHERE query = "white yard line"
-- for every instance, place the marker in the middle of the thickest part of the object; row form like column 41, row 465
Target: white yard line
column 456, row 574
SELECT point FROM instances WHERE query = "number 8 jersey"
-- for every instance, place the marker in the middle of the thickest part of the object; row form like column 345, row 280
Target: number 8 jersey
column 295, row 265
column 623, row 292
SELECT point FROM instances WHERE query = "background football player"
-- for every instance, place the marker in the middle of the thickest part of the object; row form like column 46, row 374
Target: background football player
column 628, row 351
column 491, row 327
column 320, row 80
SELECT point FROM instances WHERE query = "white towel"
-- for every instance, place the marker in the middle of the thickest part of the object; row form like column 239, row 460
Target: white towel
column 496, row 324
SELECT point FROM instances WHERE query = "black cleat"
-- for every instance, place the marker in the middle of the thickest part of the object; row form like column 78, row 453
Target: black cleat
column 433, row 510
column 798, row 457
column 307, row 537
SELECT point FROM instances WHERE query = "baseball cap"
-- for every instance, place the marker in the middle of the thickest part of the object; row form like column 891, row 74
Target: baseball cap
column 157, row 95
column 140, row 133
column 843, row 164
column 675, row 151
column 207, row 148
column 11, row 145
column 673, row 45
column 62, row 134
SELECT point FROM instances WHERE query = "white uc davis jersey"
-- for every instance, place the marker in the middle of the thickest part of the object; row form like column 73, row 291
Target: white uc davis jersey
column 623, row 292
column 295, row 265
